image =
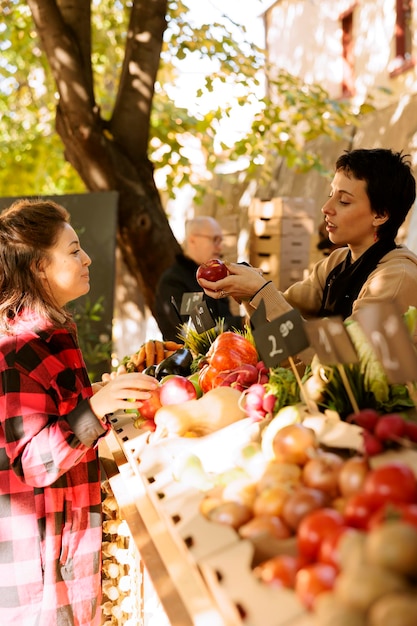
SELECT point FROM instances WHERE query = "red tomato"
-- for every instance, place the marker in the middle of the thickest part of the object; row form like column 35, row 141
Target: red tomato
column 328, row 551
column 394, row 511
column 314, row 527
column 312, row 580
column 278, row 571
column 360, row 507
column 394, row 482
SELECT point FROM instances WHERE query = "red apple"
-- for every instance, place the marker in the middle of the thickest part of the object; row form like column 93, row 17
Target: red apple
column 194, row 380
column 149, row 407
column 212, row 270
column 175, row 389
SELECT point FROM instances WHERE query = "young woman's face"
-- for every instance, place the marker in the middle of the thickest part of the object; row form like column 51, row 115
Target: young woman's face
column 348, row 214
column 66, row 273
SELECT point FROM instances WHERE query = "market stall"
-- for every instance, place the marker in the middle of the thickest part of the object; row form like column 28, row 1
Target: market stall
column 201, row 571
column 211, row 497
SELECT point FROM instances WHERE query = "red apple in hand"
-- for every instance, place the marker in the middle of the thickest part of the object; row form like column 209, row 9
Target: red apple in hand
column 175, row 389
column 212, row 270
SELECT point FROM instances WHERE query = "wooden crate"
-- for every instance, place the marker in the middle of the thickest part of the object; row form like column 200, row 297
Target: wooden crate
column 268, row 263
column 282, row 271
column 297, row 226
column 282, row 207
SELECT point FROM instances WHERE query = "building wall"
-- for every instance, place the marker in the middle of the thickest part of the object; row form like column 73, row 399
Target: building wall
column 304, row 37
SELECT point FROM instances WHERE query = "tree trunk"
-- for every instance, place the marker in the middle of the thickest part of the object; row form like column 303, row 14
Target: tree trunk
column 112, row 155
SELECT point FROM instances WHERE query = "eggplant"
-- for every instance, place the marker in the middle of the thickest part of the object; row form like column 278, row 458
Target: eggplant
column 150, row 370
column 178, row 363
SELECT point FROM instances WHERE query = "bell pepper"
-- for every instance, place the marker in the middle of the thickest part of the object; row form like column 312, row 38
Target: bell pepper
column 227, row 352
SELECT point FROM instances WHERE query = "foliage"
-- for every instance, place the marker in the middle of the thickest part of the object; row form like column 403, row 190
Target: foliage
column 292, row 116
column 95, row 347
column 31, row 152
column 31, row 155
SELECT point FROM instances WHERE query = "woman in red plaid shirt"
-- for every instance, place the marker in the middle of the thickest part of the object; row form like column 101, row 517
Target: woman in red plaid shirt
column 50, row 423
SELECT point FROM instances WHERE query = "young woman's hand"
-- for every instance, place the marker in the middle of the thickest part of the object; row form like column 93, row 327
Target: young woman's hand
column 242, row 283
column 125, row 391
column 110, row 375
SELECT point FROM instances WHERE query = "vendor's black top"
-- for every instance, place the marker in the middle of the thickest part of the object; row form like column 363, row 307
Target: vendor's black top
column 178, row 279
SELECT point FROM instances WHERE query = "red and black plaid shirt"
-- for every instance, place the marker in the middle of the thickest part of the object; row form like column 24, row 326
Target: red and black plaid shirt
column 50, row 513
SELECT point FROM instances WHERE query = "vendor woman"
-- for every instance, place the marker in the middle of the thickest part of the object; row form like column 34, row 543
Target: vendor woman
column 370, row 195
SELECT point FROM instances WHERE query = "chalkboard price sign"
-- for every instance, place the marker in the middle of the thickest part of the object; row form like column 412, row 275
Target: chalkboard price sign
column 390, row 340
column 281, row 338
column 189, row 301
column 202, row 318
column 331, row 341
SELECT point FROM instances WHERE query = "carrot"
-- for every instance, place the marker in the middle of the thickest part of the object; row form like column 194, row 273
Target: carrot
column 139, row 357
column 173, row 345
column 150, row 352
column 159, row 352
column 169, row 353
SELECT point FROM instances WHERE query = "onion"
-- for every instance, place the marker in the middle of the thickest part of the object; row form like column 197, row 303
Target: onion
column 294, row 444
column 302, row 501
column 322, row 472
column 352, row 475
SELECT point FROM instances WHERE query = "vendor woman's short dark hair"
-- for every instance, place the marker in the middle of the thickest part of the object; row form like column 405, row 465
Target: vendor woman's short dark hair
column 390, row 184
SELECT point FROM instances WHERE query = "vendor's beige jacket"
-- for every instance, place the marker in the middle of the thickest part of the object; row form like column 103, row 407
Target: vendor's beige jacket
column 394, row 279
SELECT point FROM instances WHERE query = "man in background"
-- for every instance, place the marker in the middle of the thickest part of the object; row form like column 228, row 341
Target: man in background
column 203, row 241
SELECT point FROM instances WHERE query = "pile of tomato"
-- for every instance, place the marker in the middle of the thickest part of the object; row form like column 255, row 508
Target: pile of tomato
column 387, row 493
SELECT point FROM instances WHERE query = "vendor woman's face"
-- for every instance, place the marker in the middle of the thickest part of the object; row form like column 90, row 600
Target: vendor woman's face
column 348, row 214
column 66, row 273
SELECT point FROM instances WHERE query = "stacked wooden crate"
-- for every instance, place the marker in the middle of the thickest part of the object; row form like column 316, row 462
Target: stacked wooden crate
column 281, row 232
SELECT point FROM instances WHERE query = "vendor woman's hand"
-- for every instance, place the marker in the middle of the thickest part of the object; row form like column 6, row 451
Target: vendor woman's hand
column 242, row 283
column 125, row 391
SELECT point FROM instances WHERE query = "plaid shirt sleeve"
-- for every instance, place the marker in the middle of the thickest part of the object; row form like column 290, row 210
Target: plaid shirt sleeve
column 47, row 421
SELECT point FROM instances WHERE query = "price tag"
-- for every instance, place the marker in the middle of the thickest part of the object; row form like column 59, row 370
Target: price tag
column 202, row 318
column 331, row 341
column 281, row 338
column 189, row 301
column 390, row 339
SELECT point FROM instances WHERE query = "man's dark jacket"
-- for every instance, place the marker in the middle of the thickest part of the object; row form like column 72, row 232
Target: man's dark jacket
column 178, row 279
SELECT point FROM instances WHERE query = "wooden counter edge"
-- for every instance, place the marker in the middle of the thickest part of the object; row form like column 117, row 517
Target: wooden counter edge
column 183, row 593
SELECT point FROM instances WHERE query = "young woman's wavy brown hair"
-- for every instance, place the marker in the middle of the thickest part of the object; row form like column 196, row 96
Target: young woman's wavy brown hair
column 29, row 228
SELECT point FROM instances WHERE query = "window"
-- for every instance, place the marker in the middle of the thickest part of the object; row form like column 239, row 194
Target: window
column 403, row 37
column 348, row 85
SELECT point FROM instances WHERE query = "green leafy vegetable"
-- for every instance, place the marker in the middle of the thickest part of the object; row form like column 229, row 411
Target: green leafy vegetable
column 283, row 385
column 367, row 378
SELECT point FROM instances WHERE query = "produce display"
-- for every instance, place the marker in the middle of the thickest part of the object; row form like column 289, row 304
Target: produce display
column 326, row 497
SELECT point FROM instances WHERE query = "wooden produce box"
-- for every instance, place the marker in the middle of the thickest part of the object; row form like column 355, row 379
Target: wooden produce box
column 283, row 258
column 294, row 227
column 281, row 232
column 282, row 207
column 285, row 248
column 202, row 570
column 268, row 263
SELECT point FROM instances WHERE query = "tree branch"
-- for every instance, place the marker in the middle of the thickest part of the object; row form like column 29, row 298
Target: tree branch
column 131, row 117
column 69, row 59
